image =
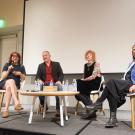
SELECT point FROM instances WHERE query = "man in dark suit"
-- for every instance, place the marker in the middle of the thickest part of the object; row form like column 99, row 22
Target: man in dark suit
column 49, row 71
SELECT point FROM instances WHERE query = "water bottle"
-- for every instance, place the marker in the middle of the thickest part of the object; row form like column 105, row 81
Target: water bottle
column 63, row 85
column 66, row 85
column 74, row 84
column 51, row 83
column 38, row 85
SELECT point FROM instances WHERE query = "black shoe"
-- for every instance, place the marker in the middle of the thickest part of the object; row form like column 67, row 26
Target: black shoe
column 82, row 113
column 96, row 106
column 57, row 113
column 90, row 115
column 113, row 122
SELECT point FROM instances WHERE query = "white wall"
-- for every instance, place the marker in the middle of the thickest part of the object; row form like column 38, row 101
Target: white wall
column 8, row 10
column 67, row 28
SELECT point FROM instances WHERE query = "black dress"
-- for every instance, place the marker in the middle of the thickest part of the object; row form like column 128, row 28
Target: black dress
column 85, row 87
column 17, row 79
column 88, row 86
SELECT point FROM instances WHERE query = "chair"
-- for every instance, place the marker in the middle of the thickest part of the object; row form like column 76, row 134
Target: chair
column 2, row 93
column 132, row 104
column 95, row 94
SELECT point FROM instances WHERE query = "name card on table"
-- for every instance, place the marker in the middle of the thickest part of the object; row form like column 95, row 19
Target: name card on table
column 50, row 88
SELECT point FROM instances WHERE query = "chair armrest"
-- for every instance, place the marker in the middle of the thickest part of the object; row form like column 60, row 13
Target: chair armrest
column 130, row 94
column 22, row 84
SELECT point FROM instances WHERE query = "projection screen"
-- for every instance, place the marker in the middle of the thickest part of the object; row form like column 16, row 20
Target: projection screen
column 68, row 28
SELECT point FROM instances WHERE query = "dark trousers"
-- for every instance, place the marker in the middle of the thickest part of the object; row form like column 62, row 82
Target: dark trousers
column 41, row 98
column 112, row 101
column 85, row 98
column 85, row 88
column 115, row 92
column 88, row 86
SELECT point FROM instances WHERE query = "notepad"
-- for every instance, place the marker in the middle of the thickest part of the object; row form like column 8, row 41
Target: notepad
column 50, row 88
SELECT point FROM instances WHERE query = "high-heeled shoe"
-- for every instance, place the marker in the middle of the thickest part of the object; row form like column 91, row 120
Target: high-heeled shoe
column 5, row 114
column 18, row 107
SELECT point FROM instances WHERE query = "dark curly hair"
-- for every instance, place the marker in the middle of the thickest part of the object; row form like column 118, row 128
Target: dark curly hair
column 17, row 54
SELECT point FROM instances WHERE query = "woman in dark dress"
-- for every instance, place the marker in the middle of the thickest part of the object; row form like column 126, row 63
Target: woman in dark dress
column 13, row 72
column 115, row 92
column 90, row 81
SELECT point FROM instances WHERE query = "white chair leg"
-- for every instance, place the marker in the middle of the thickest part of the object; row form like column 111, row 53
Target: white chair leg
column 32, row 110
column 44, row 111
column 76, row 108
column 61, row 112
column 65, row 108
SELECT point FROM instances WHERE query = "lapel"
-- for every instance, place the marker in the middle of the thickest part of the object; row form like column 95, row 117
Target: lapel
column 53, row 67
column 43, row 68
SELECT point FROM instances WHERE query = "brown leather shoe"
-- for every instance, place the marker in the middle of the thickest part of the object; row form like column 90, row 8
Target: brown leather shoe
column 18, row 107
column 5, row 114
column 40, row 109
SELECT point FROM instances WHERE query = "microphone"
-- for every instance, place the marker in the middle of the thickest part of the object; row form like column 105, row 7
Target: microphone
column 12, row 64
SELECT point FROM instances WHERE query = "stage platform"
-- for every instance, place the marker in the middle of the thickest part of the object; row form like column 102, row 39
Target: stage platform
column 17, row 124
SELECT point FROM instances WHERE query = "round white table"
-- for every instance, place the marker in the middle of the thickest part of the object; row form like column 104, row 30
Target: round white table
column 60, row 94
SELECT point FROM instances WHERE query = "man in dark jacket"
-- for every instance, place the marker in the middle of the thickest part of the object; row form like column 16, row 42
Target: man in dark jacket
column 49, row 71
